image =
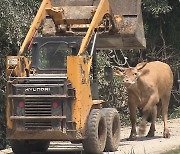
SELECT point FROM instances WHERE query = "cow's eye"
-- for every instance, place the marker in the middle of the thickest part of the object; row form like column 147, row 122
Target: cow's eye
column 135, row 74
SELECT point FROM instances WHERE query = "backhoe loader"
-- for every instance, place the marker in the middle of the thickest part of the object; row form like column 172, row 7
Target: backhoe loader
column 52, row 84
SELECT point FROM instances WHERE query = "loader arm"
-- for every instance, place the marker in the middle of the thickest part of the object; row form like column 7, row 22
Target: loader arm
column 40, row 16
column 102, row 9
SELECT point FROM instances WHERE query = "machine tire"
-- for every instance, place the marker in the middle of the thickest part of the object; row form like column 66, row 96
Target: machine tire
column 25, row 147
column 96, row 132
column 40, row 146
column 113, row 129
column 20, row 147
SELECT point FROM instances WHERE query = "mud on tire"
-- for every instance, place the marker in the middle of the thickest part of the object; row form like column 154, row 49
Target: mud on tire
column 113, row 129
column 96, row 132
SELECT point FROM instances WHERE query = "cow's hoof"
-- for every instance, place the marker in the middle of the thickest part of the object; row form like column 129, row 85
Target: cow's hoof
column 150, row 134
column 132, row 138
column 166, row 134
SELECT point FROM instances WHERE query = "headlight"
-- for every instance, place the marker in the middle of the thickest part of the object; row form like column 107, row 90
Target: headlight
column 12, row 61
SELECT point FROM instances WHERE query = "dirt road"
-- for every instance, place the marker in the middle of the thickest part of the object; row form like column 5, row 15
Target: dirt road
column 155, row 145
column 143, row 145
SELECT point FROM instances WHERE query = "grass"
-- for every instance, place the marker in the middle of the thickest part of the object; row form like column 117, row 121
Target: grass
column 175, row 113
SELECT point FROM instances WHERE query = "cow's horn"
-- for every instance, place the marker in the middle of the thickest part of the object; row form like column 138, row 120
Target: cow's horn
column 122, row 69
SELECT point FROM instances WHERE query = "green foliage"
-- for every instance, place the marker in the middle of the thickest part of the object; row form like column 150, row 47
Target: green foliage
column 156, row 7
column 175, row 113
column 2, row 121
column 173, row 25
column 16, row 17
column 113, row 92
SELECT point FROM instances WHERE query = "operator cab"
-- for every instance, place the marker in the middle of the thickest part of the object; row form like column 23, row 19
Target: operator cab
column 52, row 55
column 49, row 54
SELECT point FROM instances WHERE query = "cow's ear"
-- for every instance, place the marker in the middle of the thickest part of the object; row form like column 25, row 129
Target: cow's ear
column 141, row 65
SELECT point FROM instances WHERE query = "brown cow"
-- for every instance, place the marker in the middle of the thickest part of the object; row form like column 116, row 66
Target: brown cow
column 147, row 84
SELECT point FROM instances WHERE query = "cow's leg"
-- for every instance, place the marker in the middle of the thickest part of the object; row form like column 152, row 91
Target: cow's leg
column 142, row 126
column 132, row 110
column 153, row 100
column 165, row 104
column 152, row 127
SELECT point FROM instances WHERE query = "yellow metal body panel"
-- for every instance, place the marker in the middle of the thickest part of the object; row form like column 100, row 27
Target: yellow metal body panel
column 15, row 66
column 8, row 111
column 78, row 75
column 55, row 13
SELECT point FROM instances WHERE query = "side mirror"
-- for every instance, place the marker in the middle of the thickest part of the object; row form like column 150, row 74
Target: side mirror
column 108, row 73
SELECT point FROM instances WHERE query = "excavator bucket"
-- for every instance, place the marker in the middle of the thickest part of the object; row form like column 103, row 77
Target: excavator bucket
column 127, row 31
column 130, row 31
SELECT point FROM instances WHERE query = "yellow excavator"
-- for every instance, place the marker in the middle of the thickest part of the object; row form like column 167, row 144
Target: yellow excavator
column 52, row 88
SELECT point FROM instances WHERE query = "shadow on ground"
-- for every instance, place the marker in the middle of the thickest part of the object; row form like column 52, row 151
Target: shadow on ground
column 143, row 138
column 62, row 152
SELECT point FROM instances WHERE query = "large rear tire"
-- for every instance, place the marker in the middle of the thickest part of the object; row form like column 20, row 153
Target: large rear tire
column 40, row 146
column 113, row 129
column 96, row 132
column 26, row 146
column 20, row 147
